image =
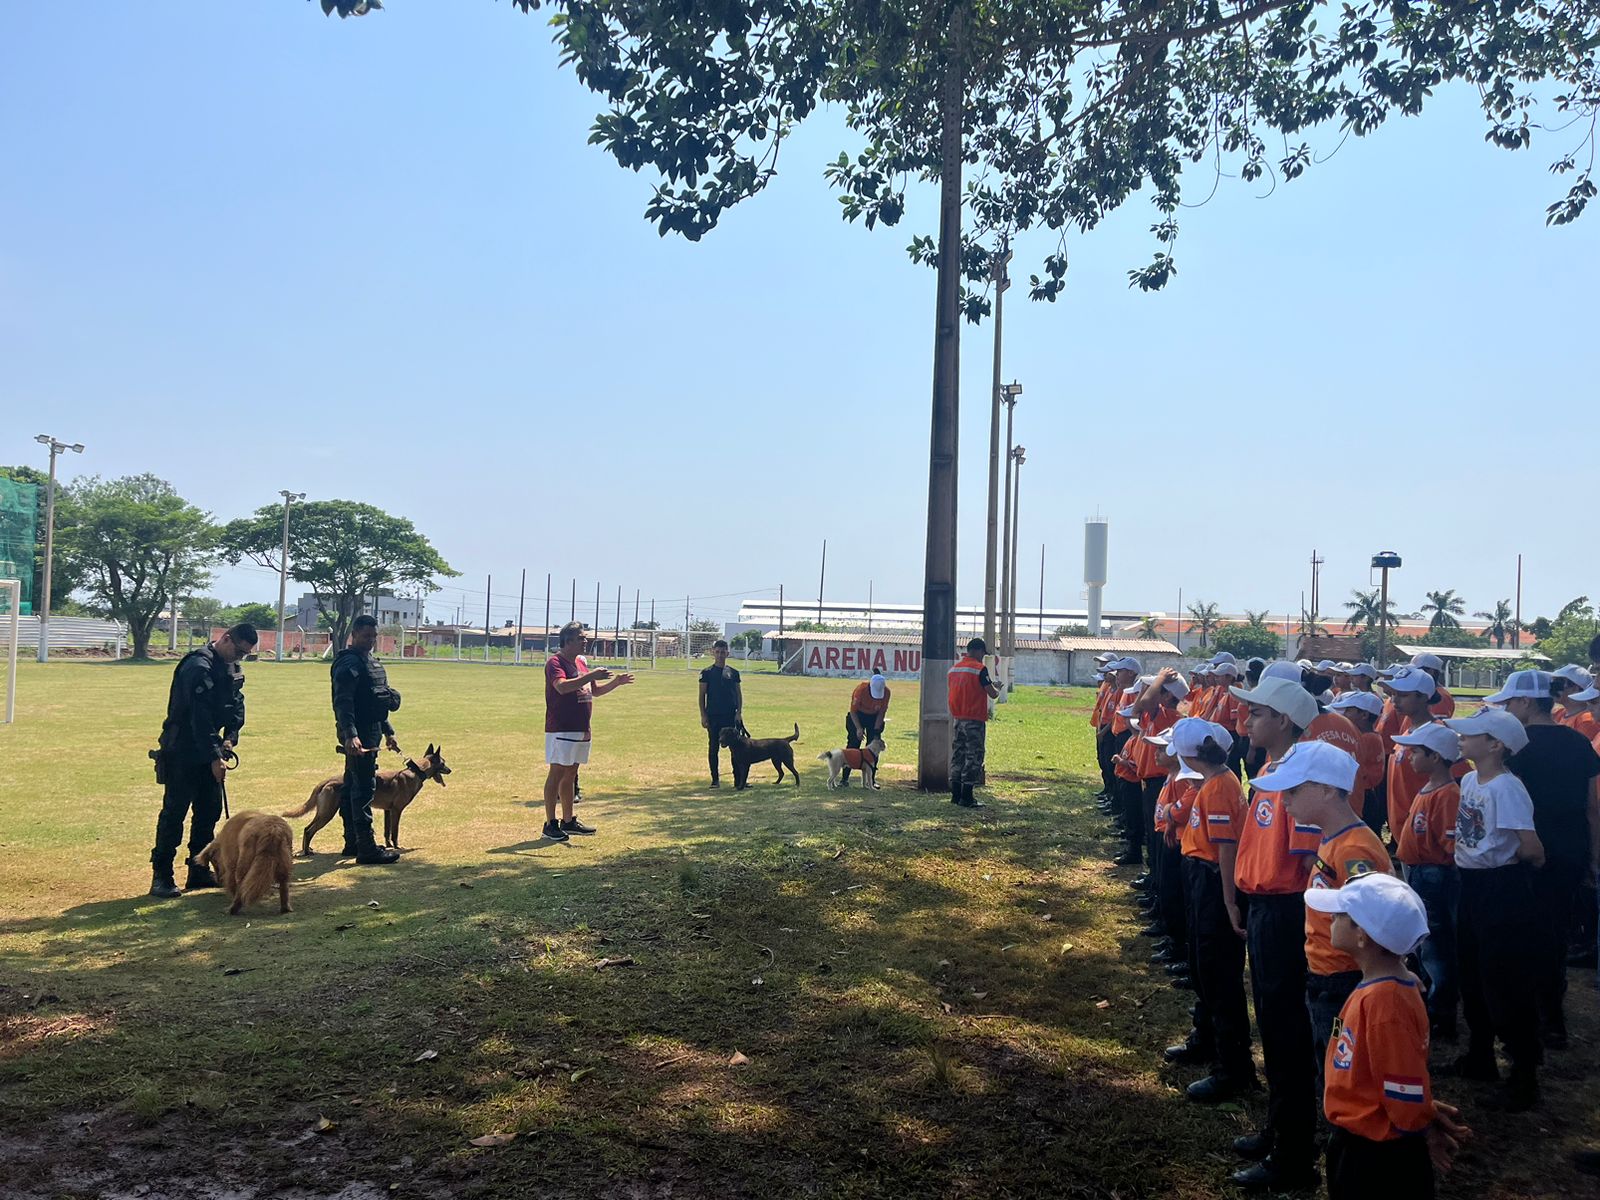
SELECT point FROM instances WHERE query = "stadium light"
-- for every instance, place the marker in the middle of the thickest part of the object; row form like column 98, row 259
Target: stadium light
column 1008, row 394
column 283, row 565
column 56, row 448
column 1002, row 280
column 1385, row 561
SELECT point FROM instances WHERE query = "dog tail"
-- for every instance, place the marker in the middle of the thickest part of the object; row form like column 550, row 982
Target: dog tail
column 796, row 736
column 272, row 847
column 308, row 805
column 203, row 859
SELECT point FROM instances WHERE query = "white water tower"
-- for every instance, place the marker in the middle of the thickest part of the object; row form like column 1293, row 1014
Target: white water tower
column 1095, row 533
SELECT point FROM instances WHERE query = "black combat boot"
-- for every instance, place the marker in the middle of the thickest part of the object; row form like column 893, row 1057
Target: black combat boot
column 358, row 824
column 161, row 885
column 200, row 876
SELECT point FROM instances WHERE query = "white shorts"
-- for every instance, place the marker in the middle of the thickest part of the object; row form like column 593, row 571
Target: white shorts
column 566, row 749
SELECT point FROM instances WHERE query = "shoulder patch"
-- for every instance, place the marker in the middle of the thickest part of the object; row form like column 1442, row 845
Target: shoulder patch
column 1354, row 868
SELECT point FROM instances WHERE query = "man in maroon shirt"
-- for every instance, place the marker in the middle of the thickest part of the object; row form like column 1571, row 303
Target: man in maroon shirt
column 569, row 692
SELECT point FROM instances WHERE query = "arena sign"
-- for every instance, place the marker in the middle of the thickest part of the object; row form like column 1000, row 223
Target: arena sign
column 840, row 659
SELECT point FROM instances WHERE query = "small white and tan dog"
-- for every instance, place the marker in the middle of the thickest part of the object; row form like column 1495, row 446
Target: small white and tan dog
column 864, row 760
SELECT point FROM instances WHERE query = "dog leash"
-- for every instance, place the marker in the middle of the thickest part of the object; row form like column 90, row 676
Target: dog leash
column 230, row 762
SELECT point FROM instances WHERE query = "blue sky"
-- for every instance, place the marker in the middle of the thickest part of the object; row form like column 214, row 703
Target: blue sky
column 383, row 251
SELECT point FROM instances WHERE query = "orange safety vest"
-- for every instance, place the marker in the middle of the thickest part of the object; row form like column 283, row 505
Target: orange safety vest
column 969, row 700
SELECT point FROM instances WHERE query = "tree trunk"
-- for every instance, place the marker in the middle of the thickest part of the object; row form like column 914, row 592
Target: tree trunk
column 939, row 581
column 139, row 635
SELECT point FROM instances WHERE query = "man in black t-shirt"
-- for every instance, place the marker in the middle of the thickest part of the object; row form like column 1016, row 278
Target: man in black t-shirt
column 721, row 702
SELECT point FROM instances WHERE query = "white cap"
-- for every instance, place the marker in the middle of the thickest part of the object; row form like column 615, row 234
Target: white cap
column 1226, row 669
column 1427, row 662
column 1302, row 663
column 1531, row 685
column 1389, row 671
column 1099, row 676
column 1574, row 674
column 1365, row 670
column 1310, row 762
column 1588, row 695
column 1222, row 656
column 1105, row 656
column 1325, row 666
column 1123, row 664
column 1385, row 908
column 1412, row 679
column 1342, row 668
column 1290, row 699
column 876, row 686
column 1497, row 723
column 1281, row 669
column 1364, row 701
column 1190, row 733
column 1435, row 737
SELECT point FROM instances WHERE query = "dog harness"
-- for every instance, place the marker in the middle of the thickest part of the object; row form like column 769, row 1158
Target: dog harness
column 857, row 759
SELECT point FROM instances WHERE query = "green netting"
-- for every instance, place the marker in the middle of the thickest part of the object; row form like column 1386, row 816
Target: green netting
column 19, row 530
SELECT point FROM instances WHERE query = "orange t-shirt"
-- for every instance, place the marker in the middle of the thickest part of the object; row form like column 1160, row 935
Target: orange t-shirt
column 1404, row 783
column 1370, row 756
column 1429, row 832
column 1275, row 852
column 1121, row 699
column 1101, row 716
column 1389, row 724
column 861, row 700
column 1241, row 717
column 1144, row 754
column 1226, row 710
column 1445, row 705
column 1351, row 851
column 1583, row 721
column 1172, row 806
column 1376, row 1072
column 1214, row 817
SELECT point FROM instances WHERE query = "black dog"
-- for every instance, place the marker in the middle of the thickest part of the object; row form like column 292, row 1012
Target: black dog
column 747, row 750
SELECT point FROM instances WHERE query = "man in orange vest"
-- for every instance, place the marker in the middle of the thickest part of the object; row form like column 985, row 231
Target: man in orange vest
column 971, row 689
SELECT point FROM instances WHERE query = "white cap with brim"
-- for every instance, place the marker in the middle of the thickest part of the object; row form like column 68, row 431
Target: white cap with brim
column 1587, row 696
column 1282, row 669
column 1427, row 662
column 1361, row 701
column 1227, row 670
column 1574, row 674
column 1365, row 670
column 1497, row 723
column 1190, row 733
column 1527, row 685
column 1385, row 908
column 876, row 686
column 1177, row 687
column 1434, row 736
column 1282, row 696
column 1105, row 656
column 1326, row 666
column 1222, row 656
column 1123, row 664
column 1310, row 762
column 1412, row 679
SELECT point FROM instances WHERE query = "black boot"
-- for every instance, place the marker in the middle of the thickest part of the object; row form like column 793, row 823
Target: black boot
column 199, row 877
column 161, row 885
column 844, row 777
column 358, row 820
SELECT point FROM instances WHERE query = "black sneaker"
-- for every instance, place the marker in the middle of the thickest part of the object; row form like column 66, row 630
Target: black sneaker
column 376, row 856
column 876, row 786
column 1187, row 1052
column 1216, row 1089
column 1267, row 1175
column 199, row 877
column 714, row 783
column 1253, row 1145
column 573, row 825
column 162, row 887
column 553, row 831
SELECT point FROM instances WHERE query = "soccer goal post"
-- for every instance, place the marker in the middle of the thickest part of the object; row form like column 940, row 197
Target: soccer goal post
column 10, row 612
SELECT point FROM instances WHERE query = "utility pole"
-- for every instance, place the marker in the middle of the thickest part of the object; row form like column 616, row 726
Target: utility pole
column 939, row 570
column 488, row 582
column 822, row 579
column 998, row 649
column 44, row 439
column 1386, row 561
column 1002, row 281
column 522, row 596
column 1516, row 630
column 1316, row 586
column 869, row 606
column 616, row 644
column 688, row 638
column 574, row 615
column 283, row 566
column 547, row 614
column 1021, row 455
column 1041, row 591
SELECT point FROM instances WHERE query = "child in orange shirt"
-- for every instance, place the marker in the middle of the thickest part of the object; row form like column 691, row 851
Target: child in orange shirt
column 1362, row 709
column 1428, row 851
column 1389, row 1136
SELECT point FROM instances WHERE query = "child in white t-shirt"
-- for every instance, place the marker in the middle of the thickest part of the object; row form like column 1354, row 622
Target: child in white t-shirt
column 1497, row 852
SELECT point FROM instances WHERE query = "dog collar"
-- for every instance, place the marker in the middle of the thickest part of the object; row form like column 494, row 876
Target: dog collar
column 411, row 766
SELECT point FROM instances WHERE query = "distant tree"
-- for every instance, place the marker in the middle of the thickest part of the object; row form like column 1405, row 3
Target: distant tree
column 1367, row 609
column 749, row 641
column 1250, row 640
column 1311, row 625
column 1445, row 606
column 1206, row 618
column 200, row 613
column 1501, row 623
column 262, row 616
column 345, row 551
column 1451, row 635
column 647, row 625
column 66, row 574
column 1570, row 633
column 805, row 626
column 140, row 545
column 1539, row 627
column 704, row 625
column 1148, row 627
column 1066, row 631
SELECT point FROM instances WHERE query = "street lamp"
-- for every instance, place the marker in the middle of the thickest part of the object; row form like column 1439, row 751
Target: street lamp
column 1002, row 281
column 283, row 564
column 1384, row 561
column 44, row 439
column 1021, row 456
column 1008, row 395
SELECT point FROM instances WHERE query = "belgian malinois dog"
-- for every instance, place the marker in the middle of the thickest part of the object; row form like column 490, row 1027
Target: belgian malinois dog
column 394, row 790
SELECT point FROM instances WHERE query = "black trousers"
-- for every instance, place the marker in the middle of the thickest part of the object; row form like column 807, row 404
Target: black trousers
column 1216, row 952
column 1277, row 946
column 1104, row 748
column 1497, row 940
column 1555, row 893
column 1167, row 869
column 854, row 740
column 355, row 794
column 715, row 724
column 1375, row 809
column 1360, row 1169
column 1131, row 802
column 189, row 788
column 1149, row 793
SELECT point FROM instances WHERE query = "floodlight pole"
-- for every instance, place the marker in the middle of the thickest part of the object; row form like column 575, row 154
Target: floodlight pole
column 283, row 566
column 44, row 439
column 1002, row 281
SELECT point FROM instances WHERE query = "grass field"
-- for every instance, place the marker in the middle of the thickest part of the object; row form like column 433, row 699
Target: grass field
column 931, row 1002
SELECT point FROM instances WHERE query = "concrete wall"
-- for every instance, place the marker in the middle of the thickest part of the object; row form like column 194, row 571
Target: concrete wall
column 1075, row 668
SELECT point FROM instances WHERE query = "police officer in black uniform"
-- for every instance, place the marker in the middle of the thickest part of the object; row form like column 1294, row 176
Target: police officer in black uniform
column 362, row 702
column 205, row 712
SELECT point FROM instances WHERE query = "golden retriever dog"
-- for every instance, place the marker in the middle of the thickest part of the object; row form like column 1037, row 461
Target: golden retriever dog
column 393, row 791
column 254, row 851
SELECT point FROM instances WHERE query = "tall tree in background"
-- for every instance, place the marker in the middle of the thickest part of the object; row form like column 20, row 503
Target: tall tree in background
column 1206, row 618
column 1367, row 610
column 1502, row 622
column 344, row 551
column 140, row 546
column 1147, row 627
column 1445, row 606
column 1062, row 109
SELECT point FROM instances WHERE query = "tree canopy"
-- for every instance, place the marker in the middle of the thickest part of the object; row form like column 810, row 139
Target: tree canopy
column 1206, row 619
column 1570, row 633
column 1071, row 106
column 1252, row 640
column 1445, row 606
column 343, row 550
column 139, row 545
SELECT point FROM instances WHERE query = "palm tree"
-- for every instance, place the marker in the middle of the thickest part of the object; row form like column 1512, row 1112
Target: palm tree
column 1147, row 628
column 1501, row 623
column 1258, row 620
column 1366, row 610
column 1445, row 606
column 1311, row 625
column 1205, row 620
